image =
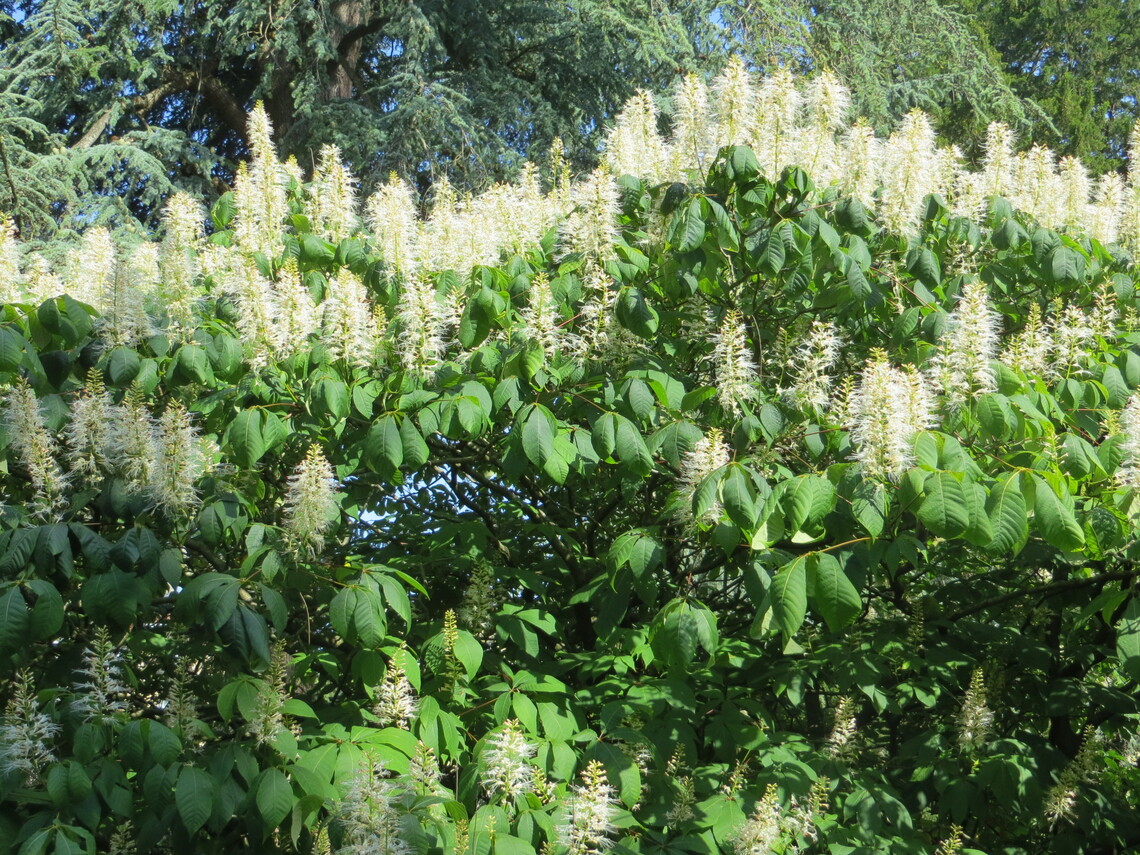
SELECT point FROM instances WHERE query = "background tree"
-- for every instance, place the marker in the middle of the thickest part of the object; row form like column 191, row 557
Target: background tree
column 1080, row 61
column 110, row 106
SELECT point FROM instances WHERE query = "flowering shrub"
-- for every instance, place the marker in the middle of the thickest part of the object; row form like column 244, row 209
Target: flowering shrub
column 700, row 511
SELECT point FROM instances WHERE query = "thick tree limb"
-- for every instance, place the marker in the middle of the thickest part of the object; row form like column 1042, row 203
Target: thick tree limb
column 1048, row 590
column 228, row 109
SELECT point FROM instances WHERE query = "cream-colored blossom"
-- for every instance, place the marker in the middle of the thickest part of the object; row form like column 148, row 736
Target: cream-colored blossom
column 506, row 762
column 541, row 320
column 591, row 228
column 391, row 216
column 693, row 144
column 182, row 458
column 735, row 101
column 1029, row 350
column 1076, row 187
column 812, row 364
column 909, row 172
column 11, row 290
column 100, row 693
column 396, row 704
column 1104, row 217
column 368, row 816
column 774, row 137
column 862, row 156
column 130, row 447
column 633, row 145
column 1128, row 475
column 260, row 204
column 421, row 326
column 737, row 377
column 87, row 434
column 333, row 207
column 27, row 733
column 888, row 407
column 708, row 454
column 298, row 317
column 589, row 824
column 348, row 325
column 36, row 450
column 763, row 829
column 975, row 719
column 962, row 367
column 998, row 164
column 843, row 729
column 310, row 504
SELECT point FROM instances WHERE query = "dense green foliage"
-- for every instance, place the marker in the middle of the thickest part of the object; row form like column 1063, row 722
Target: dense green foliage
column 614, row 519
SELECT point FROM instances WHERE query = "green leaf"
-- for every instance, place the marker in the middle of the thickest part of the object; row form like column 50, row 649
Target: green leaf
column 538, row 431
column 384, row 445
column 770, row 258
column 222, row 214
column 122, row 366
column 469, row 652
column 738, row 495
column 922, row 264
column 1128, row 639
column 357, row 614
column 330, row 398
column 1065, row 266
column 11, row 350
column 674, row 634
column 415, row 447
column 807, row 498
column 14, row 619
column 165, row 746
column 603, row 435
column 245, row 439
column 1008, row 518
column 869, row 506
column 194, row 797
column 833, row 594
column 47, row 614
column 193, row 363
column 1054, row 518
column 980, row 530
column 687, row 231
column 635, row 314
column 630, row 446
column 789, row 596
column 274, row 797
column 943, row 509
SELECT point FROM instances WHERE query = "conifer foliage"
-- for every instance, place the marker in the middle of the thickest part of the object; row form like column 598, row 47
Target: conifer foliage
column 703, row 503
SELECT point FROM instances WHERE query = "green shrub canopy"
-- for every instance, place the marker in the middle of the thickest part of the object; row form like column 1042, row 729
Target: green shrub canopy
column 772, row 488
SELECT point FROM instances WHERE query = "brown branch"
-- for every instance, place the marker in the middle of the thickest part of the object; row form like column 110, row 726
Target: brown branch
column 1049, row 590
column 205, row 552
column 204, row 83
